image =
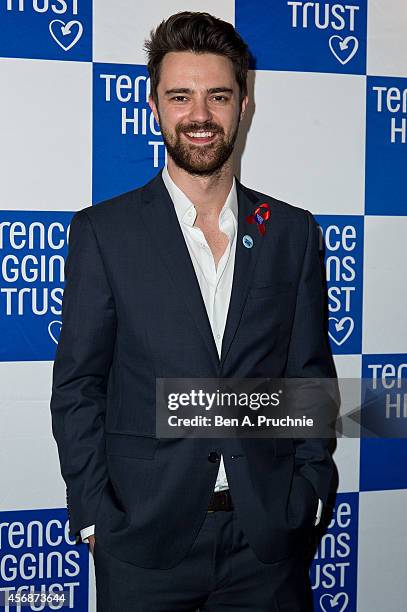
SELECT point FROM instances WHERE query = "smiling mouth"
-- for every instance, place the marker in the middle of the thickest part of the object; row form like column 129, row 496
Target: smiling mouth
column 200, row 137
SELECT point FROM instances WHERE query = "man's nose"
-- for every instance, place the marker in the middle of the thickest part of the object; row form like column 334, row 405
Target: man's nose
column 200, row 111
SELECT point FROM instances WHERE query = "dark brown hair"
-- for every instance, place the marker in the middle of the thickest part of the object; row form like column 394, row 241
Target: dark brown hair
column 201, row 33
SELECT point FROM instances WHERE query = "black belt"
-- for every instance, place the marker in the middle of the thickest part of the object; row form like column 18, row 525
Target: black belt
column 220, row 500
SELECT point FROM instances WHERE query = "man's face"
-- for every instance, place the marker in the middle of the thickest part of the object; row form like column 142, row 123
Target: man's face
column 198, row 110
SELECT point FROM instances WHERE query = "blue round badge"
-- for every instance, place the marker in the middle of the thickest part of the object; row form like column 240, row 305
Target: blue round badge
column 248, row 241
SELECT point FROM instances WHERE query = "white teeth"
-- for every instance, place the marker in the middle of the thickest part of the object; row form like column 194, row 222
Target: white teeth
column 200, row 134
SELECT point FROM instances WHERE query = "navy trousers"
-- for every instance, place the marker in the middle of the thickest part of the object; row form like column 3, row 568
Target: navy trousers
column 220, row 573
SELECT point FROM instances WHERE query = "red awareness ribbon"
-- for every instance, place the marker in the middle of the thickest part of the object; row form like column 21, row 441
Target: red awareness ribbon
column 260, row 215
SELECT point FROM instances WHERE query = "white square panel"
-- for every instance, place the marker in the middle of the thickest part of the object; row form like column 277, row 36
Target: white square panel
column 32, row 478
column 347, row 454
column 385, row 285
column 387, row 40
column 306, row 140
column 382, row 559
column 120, row 28
column 45, row 125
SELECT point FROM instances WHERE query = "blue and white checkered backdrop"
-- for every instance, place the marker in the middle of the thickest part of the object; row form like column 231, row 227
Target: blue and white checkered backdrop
column 328, row 134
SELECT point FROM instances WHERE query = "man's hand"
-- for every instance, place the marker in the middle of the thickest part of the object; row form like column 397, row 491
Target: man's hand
column 91, row 543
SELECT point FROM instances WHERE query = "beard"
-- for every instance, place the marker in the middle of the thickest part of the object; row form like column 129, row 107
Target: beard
column 201, row 159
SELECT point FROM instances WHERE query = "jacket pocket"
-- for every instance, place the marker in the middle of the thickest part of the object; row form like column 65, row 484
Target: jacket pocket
column 131, row 445
column 271, row 289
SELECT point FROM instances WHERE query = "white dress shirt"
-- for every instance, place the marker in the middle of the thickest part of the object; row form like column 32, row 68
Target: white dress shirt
column 215, row 282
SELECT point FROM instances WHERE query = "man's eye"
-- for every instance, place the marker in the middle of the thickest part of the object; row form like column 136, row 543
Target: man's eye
column 179, row 98
column 220, row 98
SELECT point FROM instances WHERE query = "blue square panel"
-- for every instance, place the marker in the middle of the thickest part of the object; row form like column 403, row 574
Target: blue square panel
column 46, row 29
column 386, row 146
column 305, row 36
column 333, row 572
column 383, row 460
column 34, row 249
column 342, row 243
column 128, row 149
column 40, row 558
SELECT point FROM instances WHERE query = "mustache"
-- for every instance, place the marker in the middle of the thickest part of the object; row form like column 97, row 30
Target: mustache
column 194, row 127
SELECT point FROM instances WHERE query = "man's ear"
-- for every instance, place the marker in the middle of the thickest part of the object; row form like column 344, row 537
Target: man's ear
column 243, row 107
column 153, row 108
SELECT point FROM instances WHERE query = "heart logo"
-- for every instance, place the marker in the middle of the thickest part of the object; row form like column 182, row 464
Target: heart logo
column 54, row 330
column 330, row 602
column 343, row 48
column 66, row 35
column 343, row 328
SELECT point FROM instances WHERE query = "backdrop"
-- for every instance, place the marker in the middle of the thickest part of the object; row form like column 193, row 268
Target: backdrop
column 326, row 131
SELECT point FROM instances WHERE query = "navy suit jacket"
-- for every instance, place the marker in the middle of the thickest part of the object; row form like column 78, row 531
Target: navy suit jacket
column 133, row 311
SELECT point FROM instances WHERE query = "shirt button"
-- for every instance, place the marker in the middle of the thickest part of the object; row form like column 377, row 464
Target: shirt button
column 218, row 336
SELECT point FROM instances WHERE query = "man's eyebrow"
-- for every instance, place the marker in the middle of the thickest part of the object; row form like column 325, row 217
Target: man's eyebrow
column 220, row 90
column 186, row 90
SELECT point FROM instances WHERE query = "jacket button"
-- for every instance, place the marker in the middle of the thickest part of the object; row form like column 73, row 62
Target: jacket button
column 213, row 457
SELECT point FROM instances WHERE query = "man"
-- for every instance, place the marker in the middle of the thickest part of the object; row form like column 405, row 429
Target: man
column 172, row 281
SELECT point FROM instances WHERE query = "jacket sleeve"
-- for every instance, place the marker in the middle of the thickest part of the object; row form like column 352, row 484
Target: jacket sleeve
column 80, row 373
column 309, row 357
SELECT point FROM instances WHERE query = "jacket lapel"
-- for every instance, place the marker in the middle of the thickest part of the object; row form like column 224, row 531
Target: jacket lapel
column 161, row 222
column 245, row 263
